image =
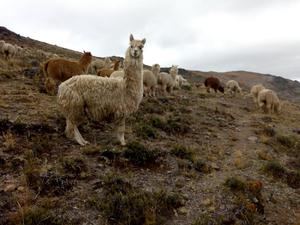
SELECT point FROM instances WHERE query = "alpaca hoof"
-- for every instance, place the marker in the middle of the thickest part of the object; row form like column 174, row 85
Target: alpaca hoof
column 122, row 143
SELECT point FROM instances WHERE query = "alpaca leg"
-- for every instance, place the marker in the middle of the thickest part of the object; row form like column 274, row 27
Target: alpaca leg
column 120, row 131
column 69, row 131
column 78, row 137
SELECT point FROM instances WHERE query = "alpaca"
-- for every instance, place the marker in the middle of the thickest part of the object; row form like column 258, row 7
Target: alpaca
column 102, row 98
column 98, row 64
column 105, row 72
column 8, row 50
column 233, row 87
column 117, row 74
column 150, row 80
column 214, row 83
column 255, row 91
column 61, row 69
column 167, row 81
column 180, row 82
column 268, row 101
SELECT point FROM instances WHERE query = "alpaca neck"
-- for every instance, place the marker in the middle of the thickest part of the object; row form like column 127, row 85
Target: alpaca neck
column 155, row 71
column 133, row 77
column 173, row 74
column 116, row 66
column 84, row 61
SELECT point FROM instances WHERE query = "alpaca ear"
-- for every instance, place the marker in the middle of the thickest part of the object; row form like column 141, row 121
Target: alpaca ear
column 131, row 37
column 144, row 41
column 83, row 51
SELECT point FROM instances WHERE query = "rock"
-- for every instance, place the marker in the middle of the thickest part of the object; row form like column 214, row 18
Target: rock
column 253, row 138
column 10, row 188
column 183, row 211
column 21, row 189
column 211, row 209
column 31, row 72
column 263, row 154
column 207, row 202
column 215, row 166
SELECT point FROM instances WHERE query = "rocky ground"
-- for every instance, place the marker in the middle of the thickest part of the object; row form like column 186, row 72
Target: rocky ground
column 192, row 158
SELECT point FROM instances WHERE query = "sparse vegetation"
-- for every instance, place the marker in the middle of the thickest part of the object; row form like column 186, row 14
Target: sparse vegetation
column 35, row 215
column 235, row 184
column 183, row 152
column 139, row 155
column 9, row 141
column 122, row 203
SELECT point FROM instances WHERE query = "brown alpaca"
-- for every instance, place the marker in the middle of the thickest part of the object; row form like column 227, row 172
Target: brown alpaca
column 107, row 72
column 214, row 83
column 62, row 69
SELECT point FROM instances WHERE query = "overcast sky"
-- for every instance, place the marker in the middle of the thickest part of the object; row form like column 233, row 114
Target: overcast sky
column 218, row 35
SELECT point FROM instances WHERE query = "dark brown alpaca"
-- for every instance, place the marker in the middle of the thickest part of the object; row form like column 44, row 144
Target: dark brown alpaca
column 214, row 83
column 61, row 69
column 107, row 72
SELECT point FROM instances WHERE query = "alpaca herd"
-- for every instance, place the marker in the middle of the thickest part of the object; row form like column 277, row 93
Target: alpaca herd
column 112, row 90
column 263, row 98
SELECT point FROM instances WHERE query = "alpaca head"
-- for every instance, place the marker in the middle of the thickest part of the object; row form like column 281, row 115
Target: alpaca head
column 155, row 69
column 86, row 57
column 136, row 47
column 174, row 69
column 221, row 88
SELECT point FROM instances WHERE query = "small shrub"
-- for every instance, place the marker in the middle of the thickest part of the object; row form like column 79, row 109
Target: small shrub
column 9, row 141
column 121, row 203
column 269, row 131
column 287, row 141
column 139, row 155
column 183, row 152
column 146, row 131
column 110, row 154
column 235, row 184
column 35, row 215
column 74, row 165
column 275, row 168
column 293, row 179
column 201, row 166
column 47, row 183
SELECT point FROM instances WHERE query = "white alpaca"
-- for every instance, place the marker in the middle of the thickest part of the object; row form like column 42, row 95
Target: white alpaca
column 8, row 50
column 102, row 98
column 233, row 87
column 150, row 80
column 99, row 64
column 168, row 81
column 180, row 82
column 254, row 92
column 268, row 101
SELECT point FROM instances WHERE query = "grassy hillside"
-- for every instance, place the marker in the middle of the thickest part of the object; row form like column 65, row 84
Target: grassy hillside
column 192, row 158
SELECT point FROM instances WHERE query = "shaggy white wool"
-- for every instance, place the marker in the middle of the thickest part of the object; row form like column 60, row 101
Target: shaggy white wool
column 269, row 101
column 233, row 87
column 167, row 81
column 254, row 92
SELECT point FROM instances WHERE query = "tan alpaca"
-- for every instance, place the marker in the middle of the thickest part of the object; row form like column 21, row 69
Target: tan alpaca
column 168, row 81
column 100, row 98
column 106, row 72
column 268, row 101
column 62, row 69
column 255, row 91
column 233, row 87
column 150, row 80
column 98, row 64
